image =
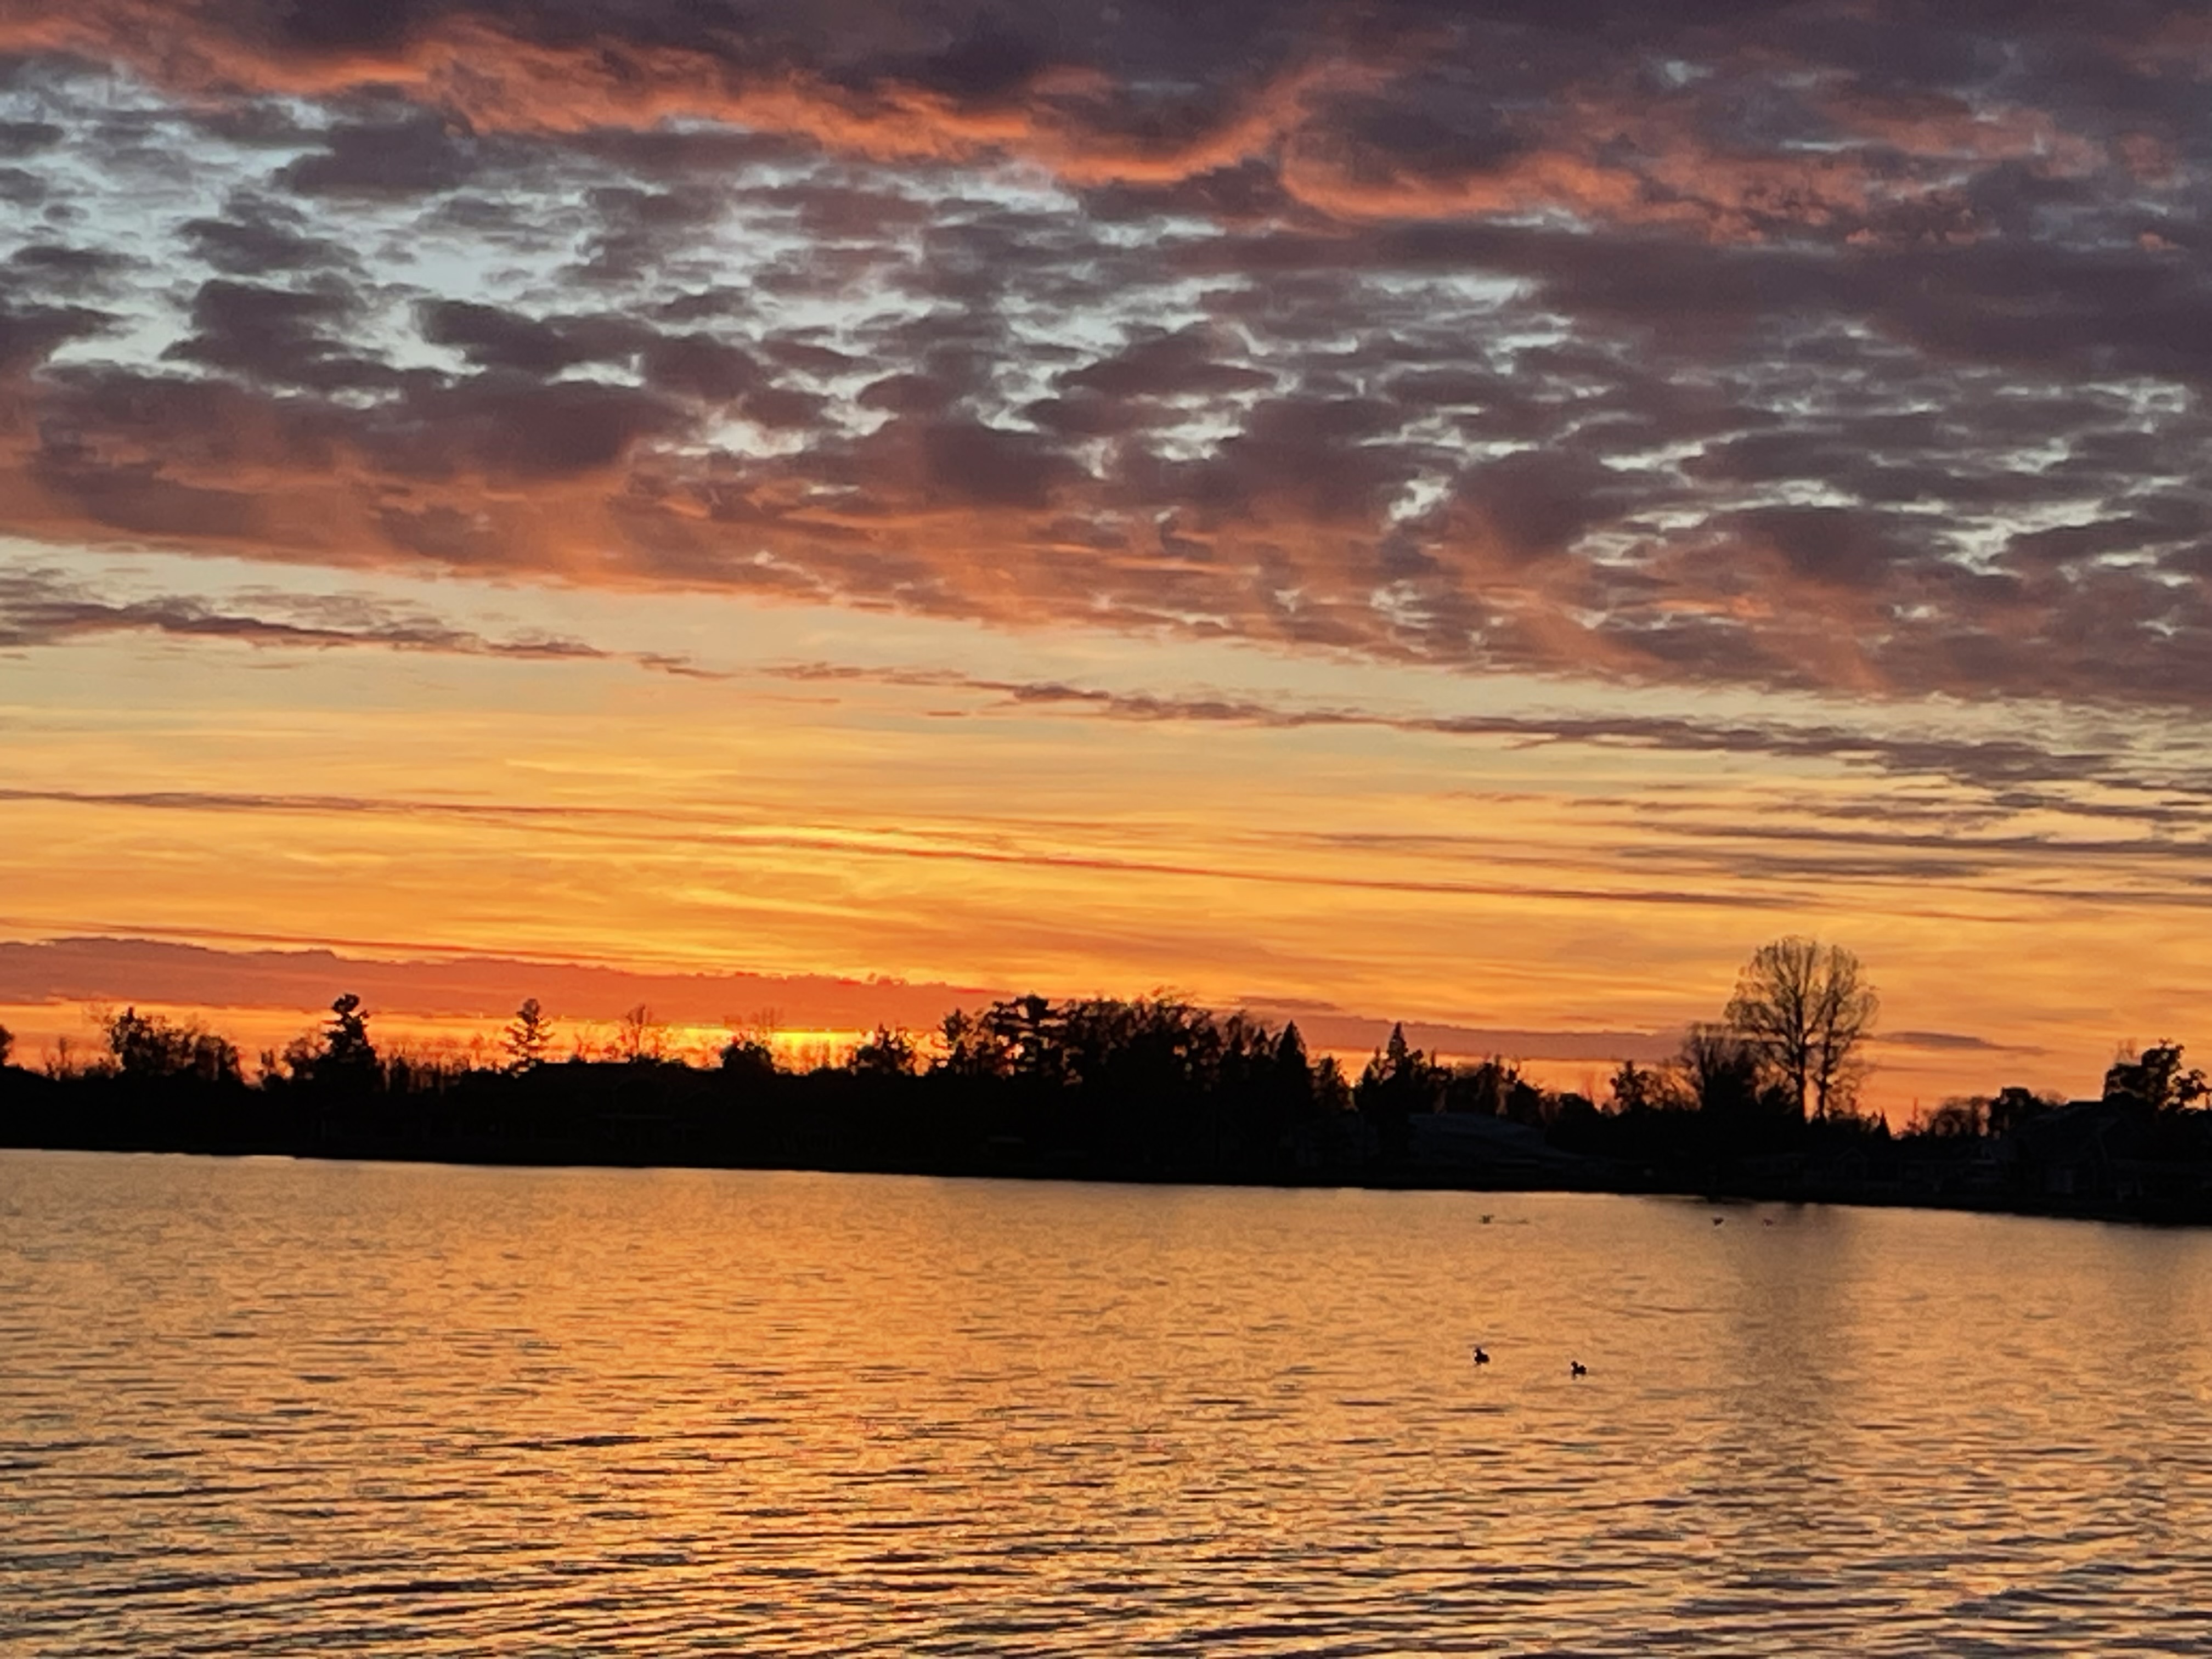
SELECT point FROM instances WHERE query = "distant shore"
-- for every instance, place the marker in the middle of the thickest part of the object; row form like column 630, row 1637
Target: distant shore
column 37, row 1114
column 1144, row 1090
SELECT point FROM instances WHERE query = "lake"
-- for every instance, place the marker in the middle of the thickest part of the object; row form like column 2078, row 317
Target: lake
column 262, row 1406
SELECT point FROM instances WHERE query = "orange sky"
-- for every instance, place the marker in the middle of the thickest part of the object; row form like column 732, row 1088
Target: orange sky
column 1478, row 515
column 772, row 823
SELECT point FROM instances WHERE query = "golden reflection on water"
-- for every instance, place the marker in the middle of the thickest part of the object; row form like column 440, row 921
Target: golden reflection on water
column 262, row 1406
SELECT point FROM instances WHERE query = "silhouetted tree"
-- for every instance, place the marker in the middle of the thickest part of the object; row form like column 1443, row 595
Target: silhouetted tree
column 148, row 1045
column 887, row 1051
column 2013, row 1106
column 1645, row 1089
column 7, row 1045
column 1806, row 1010
column 1151, row 1088
column 971, row 1049
column 348, row 1056
column 1396, row 1083
column 1332, row 1089
column 748, row 1055
column 2155, row 1081
column 1720, row 1071
column 1493, row 1088
column 638, row 1037
column 1961, row 1117
column 1029, row 1033
column 527, row 1036
column 1392, row 1071
column 1293, row 1081
column 61, row 1061
column 1271, row 1080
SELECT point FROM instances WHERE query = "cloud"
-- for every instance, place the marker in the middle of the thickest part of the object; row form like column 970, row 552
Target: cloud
column 41, row 609
column 2117, row 808
column 2092, row 771
column 117, row 969
column 415, row 156
column 1850, row 348
column 2014, row 766
column 920, row 846
column 1951, row 1043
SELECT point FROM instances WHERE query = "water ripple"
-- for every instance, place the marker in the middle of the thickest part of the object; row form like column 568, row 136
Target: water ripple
column 268, row 1408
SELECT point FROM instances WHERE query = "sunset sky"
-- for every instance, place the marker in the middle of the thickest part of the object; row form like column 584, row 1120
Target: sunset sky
column 1474, row 512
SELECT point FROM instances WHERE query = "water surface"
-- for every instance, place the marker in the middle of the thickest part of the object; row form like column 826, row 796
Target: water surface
column 261, row 1407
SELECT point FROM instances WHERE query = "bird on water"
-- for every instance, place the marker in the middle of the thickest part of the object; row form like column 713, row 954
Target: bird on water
column 1576, row 1367
column 1480, row 1357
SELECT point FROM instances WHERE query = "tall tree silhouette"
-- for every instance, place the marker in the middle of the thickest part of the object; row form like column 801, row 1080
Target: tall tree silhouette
column 1806, row 1010
column 1397, row 1082
column 348, row 1054
column 527, row 1036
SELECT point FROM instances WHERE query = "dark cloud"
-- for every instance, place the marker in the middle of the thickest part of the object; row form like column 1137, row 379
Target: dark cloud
column 415, row 156
column 1853, row 348
column 286, row 337
column 22, row 188
column 1826, row 544
column 28, row 137
column 1538, row 502
column 256, row 238
column 1190, row 363
column 56, row 265
column 29, row 336
column 509, row 425
column 137, row 497
column 495, row 339
column 968, row 462
column 700, row 366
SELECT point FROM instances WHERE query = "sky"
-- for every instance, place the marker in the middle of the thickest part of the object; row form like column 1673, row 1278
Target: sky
column 1480, row 514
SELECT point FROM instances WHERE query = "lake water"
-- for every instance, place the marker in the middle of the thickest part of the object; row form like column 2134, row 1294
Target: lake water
column 274, row 1408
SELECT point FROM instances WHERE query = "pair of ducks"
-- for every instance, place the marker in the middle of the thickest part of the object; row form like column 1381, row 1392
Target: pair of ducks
column 1575, row 1367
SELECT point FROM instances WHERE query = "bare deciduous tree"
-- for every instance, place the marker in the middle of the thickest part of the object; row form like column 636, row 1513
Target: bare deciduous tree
column 1806, row 1010
column 639, row 1037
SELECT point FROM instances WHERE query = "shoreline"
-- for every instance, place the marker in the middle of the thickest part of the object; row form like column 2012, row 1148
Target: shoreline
column 2050, row 1208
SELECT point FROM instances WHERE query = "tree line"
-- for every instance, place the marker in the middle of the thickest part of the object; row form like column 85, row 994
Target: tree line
column 1762, row 1101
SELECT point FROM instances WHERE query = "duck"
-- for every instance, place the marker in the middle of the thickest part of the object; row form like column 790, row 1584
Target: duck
column 1576, row 1367
column 1480, row 1357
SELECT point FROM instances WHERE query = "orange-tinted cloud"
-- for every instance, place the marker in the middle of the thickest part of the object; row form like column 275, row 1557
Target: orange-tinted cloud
column 1791, row 346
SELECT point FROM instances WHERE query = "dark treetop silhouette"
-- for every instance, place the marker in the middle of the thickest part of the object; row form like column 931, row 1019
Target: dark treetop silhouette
column 1761, row 1104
